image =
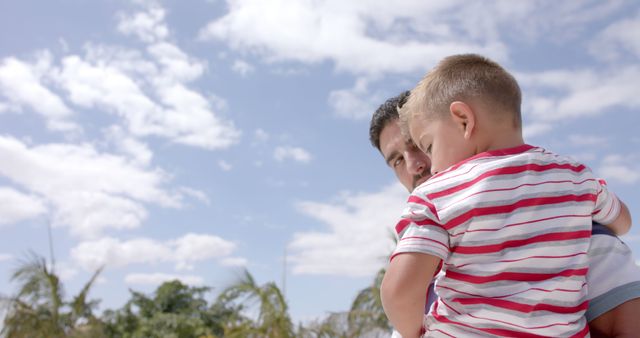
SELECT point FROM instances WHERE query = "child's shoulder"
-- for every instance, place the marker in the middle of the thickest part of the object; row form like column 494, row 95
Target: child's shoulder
column 523, row 154
column 545, row 155
column 497, row 162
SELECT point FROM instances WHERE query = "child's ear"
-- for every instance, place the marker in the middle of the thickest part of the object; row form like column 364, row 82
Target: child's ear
column 464, row 117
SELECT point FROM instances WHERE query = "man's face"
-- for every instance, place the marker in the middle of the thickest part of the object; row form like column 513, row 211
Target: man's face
column 412, row 166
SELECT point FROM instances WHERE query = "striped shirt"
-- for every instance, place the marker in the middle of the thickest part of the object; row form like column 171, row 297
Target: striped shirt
column 512, row 227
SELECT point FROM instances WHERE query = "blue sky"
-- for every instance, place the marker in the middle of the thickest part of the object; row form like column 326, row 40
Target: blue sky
column 173, row 139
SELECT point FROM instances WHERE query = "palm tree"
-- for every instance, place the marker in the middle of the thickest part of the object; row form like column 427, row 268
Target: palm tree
column 273, row 320
column 37, row 309
column 366, row 318
column 367, row 315
column 335, row 325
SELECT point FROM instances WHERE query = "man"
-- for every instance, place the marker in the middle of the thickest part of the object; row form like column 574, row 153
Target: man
column 614, row 279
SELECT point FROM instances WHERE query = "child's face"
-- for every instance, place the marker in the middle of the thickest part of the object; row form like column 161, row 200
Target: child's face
column 442, row 140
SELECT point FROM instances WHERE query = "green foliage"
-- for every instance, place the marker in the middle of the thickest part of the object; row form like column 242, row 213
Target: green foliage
column 38, row 309
column 273, row 319
column 366, row 312
column 174, row 310
column 245, row 309
column 366, row 318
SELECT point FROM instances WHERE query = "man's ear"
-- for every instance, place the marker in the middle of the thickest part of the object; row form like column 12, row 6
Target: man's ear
column 464, row 117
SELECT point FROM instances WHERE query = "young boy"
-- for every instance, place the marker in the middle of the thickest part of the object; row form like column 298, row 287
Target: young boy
column 510, row 223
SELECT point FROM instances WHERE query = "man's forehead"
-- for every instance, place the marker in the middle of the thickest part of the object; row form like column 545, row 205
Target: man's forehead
column 390, row 139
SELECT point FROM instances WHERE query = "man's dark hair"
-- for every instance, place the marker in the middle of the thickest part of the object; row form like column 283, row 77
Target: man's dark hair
column 386, row 113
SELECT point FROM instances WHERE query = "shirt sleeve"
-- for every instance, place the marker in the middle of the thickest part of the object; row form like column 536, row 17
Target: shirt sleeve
column 419, row 230
column 607, row 206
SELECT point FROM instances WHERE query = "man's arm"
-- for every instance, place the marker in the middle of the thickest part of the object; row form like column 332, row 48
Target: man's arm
column 622, row 223
column 403, row 290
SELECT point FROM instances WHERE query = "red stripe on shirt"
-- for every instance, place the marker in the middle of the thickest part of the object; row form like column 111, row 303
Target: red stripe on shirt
column 515, row 188
column 521, row 259
column 520, row 307
column 503, row 209
column 497, row 332
column 515, row 293
column 514, row 276
column 520, row 223
column 426, row 221
column 405, row 222
column 505, row 332
column 417, row 200
column 402, row 224
column 523, row 327
column 498, row 152
column 552, row 237
column 514, row 325
column 506, row 171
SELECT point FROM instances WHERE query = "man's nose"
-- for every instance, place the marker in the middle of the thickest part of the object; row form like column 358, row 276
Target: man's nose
column 415, row 164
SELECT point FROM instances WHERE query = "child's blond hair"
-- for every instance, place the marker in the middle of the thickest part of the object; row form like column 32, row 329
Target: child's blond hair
column 466, row 78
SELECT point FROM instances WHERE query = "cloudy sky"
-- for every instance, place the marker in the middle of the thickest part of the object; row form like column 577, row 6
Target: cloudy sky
column 190, row 140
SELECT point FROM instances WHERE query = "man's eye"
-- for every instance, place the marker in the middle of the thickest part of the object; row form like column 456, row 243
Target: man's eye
column 428, row 151
column 397, row 162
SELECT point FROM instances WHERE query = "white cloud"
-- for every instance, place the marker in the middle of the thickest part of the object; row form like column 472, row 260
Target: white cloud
column 5, row 257
column 183, row 251
column 242, row 67
column 115, row 253
column 65, row 271
column 355, row 103
column 361, row 37
column 182, row 115
column 378, row 36
column 155, row 279
column 148, row 26
column 531, row 130
column 261, row 136
column 146, row 88
column 584, row 157
column 4, row 107
column 579, row 93
column 614, row 168
column 357, row 236
column 295, row 153
column 195, row 247
column 234, row 262
column 620, row 39
column 16, row 206
column 176, row 66
column 587, row 140
column 136, row 150
column 194, row 193
column 224, row 165
column 86, row 190
column 22, row 84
